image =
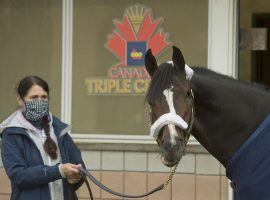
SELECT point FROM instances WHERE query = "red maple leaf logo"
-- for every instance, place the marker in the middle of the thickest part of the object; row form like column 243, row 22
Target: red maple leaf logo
column 137, row 25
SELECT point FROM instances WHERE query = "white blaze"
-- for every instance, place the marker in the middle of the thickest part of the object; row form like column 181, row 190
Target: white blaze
column 168, row 93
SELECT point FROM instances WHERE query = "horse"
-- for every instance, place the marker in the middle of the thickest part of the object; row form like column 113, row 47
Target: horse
column 228, row 117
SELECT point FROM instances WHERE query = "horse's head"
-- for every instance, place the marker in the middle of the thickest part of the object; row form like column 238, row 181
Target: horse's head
column 171, row 100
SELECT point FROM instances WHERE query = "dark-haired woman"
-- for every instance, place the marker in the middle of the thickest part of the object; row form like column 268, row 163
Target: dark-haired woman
column 38, row 154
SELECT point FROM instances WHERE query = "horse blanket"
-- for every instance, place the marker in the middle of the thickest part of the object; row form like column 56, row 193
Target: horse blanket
column 249, row 167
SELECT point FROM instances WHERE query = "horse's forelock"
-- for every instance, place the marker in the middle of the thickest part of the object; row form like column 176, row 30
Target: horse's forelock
column 161, row 80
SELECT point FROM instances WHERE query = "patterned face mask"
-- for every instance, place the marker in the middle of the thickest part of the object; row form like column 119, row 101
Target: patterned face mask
column 35, row 110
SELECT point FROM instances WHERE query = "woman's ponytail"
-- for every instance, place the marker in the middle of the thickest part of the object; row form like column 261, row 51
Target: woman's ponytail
column 49, row 145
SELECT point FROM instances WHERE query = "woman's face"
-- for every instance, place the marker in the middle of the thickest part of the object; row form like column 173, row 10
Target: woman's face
column 34, row 93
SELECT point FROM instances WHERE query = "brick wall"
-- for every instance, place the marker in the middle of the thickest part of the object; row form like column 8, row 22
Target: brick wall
column 199, row 176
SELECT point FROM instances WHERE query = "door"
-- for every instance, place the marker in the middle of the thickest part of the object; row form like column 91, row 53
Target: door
column 261, row 59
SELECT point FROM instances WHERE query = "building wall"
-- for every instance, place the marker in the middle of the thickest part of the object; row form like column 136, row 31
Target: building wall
column 199, row 175
column 30, row 39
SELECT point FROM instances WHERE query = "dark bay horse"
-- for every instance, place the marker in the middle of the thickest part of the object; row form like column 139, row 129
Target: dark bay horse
column 224, row 115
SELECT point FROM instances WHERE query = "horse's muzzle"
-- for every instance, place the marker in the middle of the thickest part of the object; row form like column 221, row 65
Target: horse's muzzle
column 171, row 154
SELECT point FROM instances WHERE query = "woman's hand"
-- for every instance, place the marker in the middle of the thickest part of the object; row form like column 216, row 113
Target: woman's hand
column 70, row 170
column 74, row 179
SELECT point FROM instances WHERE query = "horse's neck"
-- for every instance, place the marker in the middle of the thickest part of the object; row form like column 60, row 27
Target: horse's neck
column 226, row 113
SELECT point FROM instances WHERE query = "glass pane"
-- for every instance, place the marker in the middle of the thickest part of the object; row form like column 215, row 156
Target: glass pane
column 110, row 39
column 30, row 44
column 254, row 56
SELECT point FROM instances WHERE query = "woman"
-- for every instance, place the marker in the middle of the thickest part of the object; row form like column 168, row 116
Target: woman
column 38, row 154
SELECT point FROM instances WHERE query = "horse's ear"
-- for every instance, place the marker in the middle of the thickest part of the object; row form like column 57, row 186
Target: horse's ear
column 150, row 63
column 178, row 58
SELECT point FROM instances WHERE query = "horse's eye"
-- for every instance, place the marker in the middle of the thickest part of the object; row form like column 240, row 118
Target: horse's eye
column 189, row 97
column 189, row 94
column 150, row 103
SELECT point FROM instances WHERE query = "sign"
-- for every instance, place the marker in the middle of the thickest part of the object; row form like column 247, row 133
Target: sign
column 132, row 37
column 254, row 39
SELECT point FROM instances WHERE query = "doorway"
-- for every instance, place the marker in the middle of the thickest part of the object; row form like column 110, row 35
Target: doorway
column 261, row 59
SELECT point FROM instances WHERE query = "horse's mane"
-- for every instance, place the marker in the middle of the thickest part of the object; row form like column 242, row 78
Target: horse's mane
column 163, row 79
column 229, row 80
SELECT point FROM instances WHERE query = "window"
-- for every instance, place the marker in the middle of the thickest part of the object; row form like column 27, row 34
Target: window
column 254, row 56
column 106, row 100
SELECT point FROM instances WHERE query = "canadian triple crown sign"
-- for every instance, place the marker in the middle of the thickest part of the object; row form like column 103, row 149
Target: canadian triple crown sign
column 129, row 42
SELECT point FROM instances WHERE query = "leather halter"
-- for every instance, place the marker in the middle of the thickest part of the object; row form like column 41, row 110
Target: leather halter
column 86, row 174
column 186, row 131
column 191, row 122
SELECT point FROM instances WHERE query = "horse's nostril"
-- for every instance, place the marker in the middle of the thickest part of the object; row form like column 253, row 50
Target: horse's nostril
column 168, row 147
